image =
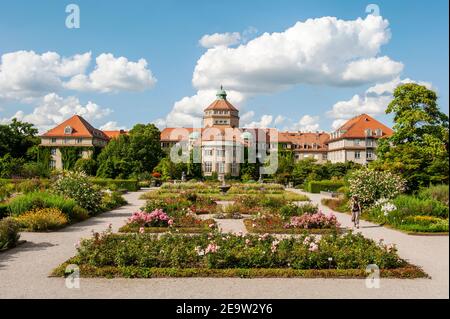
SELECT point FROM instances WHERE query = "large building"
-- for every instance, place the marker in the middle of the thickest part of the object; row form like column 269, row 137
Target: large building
column 356, row 140
column 221, row 141
column 75, row 132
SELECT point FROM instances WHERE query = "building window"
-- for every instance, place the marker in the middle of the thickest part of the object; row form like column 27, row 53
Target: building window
column 357, row 155
column 79, row 140
column 369, row 155
column 53, row 151
column 324, row 156
column 52, row 164
column 53, row 140
column 221, row 167
column 234, row 168
column 65, row 141
column 68, row 130
column 208, row 167
column 208, row 152
column 357, row 141
column 220, row 152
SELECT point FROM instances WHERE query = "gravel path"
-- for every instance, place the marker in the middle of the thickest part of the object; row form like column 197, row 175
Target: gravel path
column 24, row 270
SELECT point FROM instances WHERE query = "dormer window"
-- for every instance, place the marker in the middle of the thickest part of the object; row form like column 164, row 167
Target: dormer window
column 68, row 130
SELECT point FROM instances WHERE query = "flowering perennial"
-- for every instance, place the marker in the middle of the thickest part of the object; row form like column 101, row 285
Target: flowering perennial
column 318, row 220
column 156, row 218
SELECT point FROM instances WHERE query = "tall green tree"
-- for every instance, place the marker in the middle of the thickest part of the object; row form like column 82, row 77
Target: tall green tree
column 16, row 138
column 130, row 155
column 418, row 149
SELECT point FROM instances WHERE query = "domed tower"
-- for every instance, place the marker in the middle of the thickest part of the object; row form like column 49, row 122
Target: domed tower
column 221, row 113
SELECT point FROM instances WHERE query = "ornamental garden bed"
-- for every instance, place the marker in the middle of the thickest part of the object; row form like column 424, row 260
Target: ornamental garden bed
column 158, row 221
column 226, row 255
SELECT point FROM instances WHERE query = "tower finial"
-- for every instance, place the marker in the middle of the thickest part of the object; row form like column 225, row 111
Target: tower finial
column 221, row 94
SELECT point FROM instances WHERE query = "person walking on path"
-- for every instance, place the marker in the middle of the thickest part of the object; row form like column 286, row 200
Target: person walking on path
column 356, row 210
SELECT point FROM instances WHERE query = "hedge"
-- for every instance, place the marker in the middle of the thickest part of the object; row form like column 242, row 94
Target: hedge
column 131, row 185
column 325, row 185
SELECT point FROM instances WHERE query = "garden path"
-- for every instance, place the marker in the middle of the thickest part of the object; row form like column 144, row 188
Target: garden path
column 24, row 270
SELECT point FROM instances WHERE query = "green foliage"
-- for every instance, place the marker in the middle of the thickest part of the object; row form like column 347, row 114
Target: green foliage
column 43, row 219
column 325, row 185
column 70, row 155
column 131, row 154
column 290, row 210
column 370, row 185
column 86, row 165
column 112, row 201
column 9, row 233
column 131, row 185
column 10, row 166
column 4, row 211
column 16, row 138
column 170, row 170
column 418, row 149
column 30, row 201
column 437, row 192
column 35, row 169
column 229, row 251
column 77, row 186
column 309, row 170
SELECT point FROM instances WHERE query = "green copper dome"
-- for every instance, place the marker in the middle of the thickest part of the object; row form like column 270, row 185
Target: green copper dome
column 221, row 94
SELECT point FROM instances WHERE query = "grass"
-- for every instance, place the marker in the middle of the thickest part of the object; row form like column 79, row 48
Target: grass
column 89, row 271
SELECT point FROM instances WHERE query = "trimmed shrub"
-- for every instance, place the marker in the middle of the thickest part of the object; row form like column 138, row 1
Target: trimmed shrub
column 131, row 185
column 86, row 165
column 42, row 219
column 9, row 233
column 325, row 185
column 112, row 200
column 290, row 210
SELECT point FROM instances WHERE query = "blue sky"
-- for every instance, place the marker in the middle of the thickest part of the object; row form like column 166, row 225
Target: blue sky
column 166, row 34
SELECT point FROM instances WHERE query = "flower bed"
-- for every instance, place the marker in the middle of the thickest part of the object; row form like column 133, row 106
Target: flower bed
column 159, row 222
column 224, row 255
column 317, row 223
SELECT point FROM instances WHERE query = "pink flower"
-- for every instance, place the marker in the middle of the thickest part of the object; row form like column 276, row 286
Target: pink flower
column 211, row 225
column 141, row 230
column 313, row 247
column 170, row 222
column 212, row 248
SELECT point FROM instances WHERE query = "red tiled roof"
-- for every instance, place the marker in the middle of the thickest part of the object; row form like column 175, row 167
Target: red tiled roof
column 357, row 126
column 80, row 128
column 220, row 104
column 114, row 134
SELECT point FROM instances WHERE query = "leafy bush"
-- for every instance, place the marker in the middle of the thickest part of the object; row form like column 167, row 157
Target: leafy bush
column 6, row 189
column 437, row 192
column 77, row 186
column 42, row 219
column 9, row 233
column 131, row 185
column 225, row 251
column 86, row 165
column 29, row 185
column 156, row 218
column 171, row 206
column 291, row 210
column 272, row 202
column 4, row 211
column 370, row 185
column 31, row 201
column 325, row 185
column 112, row 200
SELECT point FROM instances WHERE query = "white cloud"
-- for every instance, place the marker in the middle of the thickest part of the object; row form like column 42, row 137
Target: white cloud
column 112, row 126
column 322, row 51
column 373, row 101
column 25, row 74
column 114, row 74
column 220, row 39
column 53, row 109
column 307, row 123
column 264, row 122
column 279, row 119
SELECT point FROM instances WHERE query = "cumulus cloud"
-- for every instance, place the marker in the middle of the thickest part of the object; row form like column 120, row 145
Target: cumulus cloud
column 53, row 109
column 373, row 101
column 264, row 122
column 114, row 74
column 220, row 39
column 26, row 75
column 322, row 51
column 112, row 126
column 307, row 123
